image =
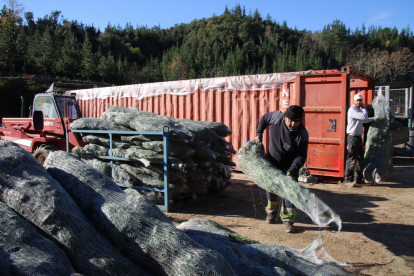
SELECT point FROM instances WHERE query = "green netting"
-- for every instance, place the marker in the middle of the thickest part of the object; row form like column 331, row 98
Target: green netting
column 155, row 124
column 147, row 157
column 248, row 257
column 378, row 149
column 129, row 221
column 220, row 128
column 97, row 124
column 24, row 251
column 155, row 197
column 96, row 150
column 133, row 223
column 31, row 192
column 114, row 110
column 252, row 160
column 202, row 150
column 180, row 150
column 138, row 139
column 200, row 187
column 103, row 140
column 194, row 175
column 202, row 133
column 98, row 164
column 148, row 149
column 189, row 163
column 222, row 146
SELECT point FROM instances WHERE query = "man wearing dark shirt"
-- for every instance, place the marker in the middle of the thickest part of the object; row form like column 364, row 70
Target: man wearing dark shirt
column 288, row 147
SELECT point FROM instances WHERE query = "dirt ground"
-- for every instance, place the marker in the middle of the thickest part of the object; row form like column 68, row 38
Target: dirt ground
column 377, row 236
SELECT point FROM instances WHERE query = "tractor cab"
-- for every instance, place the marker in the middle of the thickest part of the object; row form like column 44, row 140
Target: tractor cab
column 56, row 105
column 58, row 102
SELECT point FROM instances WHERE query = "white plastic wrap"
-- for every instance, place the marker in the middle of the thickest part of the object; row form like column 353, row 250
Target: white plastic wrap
column 185, row 87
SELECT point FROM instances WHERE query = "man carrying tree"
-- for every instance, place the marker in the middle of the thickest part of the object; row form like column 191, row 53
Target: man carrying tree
column 288, row 147
column 357, row 115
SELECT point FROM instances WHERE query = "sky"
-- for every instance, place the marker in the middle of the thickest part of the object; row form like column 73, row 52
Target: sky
column 311, row 15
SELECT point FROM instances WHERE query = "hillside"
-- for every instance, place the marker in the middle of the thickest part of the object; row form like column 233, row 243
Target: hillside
column 233, row 43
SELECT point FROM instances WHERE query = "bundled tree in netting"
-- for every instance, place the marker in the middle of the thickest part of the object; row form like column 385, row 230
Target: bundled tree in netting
column 133, row 223
column 24, row 251
column 31, row 192
column 97, row 124
column 103, row 140
column 252, row 160
column 378, row 163
column 249, row 257
column 151, row 123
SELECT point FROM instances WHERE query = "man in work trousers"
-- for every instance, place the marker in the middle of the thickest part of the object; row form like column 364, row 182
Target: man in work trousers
column 288, row 147
column 357, row 116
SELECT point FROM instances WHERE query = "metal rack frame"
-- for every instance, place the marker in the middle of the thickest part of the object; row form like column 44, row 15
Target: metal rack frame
column 164, row 133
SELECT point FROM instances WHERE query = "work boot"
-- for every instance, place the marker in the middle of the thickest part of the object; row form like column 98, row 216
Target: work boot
column 271, row 217
column 352, row 184
column 288, row 227
column 360, row 181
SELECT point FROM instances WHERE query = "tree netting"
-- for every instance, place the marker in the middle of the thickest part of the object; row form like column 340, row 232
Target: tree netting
column 24, row 251
column 30, row 191
column 152, row 123
column 250, row 257
column 252, row 160
column 378, row 163
column 97, row 124
column 194, row 157
column 102, row 166
column 201, row 133
column 69, row 200
column 103, row 140
column 133, row 223
column 221, row 129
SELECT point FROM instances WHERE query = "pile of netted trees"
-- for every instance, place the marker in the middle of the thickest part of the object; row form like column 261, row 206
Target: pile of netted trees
column 65, row 217
column 198, row 156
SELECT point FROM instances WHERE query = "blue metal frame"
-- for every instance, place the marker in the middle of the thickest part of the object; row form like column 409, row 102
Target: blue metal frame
column 165, row 133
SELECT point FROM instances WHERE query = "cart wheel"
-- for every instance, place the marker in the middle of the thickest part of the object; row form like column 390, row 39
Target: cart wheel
column 42, row 152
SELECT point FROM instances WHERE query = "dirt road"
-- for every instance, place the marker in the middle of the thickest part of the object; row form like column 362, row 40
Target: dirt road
column 377, row 236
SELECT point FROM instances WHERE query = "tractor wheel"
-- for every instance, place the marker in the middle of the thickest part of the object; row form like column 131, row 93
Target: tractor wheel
column 42, row 152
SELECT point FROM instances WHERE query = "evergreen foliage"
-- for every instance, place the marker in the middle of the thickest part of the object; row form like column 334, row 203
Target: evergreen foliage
column 234, row 43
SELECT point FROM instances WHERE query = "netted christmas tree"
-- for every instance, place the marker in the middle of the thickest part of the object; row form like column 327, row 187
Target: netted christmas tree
column 378, row 163
column 252, row 160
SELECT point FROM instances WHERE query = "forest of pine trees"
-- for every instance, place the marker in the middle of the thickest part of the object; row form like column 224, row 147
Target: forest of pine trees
column 233, row 43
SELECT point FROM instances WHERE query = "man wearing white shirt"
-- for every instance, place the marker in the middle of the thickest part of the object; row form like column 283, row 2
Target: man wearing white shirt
column 357, row 115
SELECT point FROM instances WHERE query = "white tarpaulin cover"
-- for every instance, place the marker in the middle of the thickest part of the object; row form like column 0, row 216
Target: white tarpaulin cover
column 185, row 87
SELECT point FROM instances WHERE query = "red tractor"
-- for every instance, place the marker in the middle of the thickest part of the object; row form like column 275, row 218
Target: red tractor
column 45, row 129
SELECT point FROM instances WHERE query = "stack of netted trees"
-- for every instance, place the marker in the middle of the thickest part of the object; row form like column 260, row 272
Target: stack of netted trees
column 67, row 218
column 199, row 156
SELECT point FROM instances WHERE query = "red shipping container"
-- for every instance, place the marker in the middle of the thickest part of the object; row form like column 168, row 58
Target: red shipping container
column 240, row 102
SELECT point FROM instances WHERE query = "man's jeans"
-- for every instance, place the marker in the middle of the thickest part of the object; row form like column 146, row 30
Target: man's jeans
column 355, row 159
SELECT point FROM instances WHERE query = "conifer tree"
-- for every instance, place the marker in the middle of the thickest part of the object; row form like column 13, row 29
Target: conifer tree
column 88, row 62
column 9, row 33
column 70, row 58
